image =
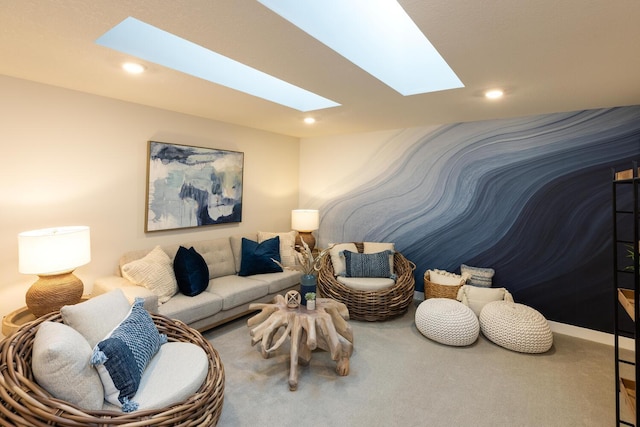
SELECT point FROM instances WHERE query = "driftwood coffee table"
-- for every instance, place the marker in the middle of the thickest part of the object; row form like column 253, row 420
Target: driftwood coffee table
column 325, row 327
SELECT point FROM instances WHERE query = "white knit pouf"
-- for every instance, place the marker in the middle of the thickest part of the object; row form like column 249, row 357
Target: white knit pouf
column 447, row 321
column 516, row 327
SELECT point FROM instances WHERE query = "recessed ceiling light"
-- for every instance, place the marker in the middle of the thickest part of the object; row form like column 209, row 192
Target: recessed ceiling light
column 133, row 68
column 152, row 44
column 377, row 36
column 309, row 120
column 494, row 94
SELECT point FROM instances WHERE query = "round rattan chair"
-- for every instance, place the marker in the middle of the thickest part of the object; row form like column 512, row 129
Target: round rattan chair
column 371, row 306
column 24, row 403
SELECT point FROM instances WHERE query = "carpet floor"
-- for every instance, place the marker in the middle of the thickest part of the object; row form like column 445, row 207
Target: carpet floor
column 400, row 378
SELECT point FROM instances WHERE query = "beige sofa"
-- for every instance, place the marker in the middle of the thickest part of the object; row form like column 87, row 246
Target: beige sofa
column 227, row 296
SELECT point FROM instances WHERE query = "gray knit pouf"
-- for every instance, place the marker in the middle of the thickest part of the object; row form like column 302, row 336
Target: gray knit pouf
column 516, row 327
column 447, row 321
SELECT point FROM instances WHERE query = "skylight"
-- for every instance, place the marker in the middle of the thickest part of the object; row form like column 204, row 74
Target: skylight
column 376, row 35
column 152, row 44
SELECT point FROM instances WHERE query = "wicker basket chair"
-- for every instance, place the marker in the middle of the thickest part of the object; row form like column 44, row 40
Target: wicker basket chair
column 370, row 305
column 24, row 403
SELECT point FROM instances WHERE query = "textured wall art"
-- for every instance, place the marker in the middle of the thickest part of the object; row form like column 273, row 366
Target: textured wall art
column 529, row 197
column 192, row 186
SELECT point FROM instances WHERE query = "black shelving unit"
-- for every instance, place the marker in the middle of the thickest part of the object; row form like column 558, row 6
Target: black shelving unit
column 626, row 266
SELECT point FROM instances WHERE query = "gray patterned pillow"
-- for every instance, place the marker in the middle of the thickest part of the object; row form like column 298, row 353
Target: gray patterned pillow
column 482, row 277
column 367, row 265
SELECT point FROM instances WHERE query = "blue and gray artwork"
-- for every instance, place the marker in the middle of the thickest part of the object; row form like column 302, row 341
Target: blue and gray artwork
column 193, row 186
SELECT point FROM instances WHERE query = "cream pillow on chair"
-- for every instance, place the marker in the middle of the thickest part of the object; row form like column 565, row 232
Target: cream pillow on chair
column 97, row 316
column 337, row 257
column 61, row 366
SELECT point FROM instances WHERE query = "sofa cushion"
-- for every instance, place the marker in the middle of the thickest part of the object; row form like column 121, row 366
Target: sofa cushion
column 288, row 252
column 280, row 281
column 218, row 255
column 97, row 316
column 174, row 374
column 237, row 290
column 60, row 363
column 192, row 309
column 192, row 273
column 258, row 258
column 122, row 356
column 368, row 284
column 154, row 272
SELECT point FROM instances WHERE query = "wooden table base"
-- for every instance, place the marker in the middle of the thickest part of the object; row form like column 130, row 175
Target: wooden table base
column 325, row 327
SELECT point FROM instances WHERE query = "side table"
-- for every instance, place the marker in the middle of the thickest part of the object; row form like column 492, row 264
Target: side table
column 12, row 321
column 325, row 327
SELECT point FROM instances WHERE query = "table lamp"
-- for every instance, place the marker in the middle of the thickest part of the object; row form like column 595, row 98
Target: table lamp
column 53, row 254
column 304, row 221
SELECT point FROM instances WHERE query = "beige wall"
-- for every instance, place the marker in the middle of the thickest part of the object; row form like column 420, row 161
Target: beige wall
column 75, row 159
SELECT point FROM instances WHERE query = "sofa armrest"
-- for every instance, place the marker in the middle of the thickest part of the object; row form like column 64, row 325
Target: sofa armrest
column 131, row 291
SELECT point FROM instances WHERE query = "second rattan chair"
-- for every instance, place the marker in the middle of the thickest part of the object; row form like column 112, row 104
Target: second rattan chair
column 24, row 403
column 375, row 305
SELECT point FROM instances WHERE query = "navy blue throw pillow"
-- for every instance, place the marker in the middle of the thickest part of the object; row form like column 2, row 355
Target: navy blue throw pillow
column 257, row 258
column 192, row 273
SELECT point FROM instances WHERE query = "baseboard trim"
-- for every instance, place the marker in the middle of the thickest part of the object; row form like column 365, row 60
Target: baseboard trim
column 591, row 335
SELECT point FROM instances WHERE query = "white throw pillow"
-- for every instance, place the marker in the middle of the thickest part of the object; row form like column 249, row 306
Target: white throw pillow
column 61, row 366
column 476, row 297
column 287, row 245
column 337, row 259
column 445, row 278
column 154, row 272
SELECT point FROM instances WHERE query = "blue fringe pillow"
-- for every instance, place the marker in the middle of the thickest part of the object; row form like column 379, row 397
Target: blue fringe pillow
column 368, row 265
column 192, row 272
column 123, row 355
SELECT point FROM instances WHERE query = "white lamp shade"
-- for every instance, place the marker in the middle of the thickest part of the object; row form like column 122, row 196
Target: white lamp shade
column 53, row 250
column 305, row 219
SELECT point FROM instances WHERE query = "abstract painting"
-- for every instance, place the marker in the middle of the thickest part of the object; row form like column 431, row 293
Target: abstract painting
column 529, row 197
column 192, row 186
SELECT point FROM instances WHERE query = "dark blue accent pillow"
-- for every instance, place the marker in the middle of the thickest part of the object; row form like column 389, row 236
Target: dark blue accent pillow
column 257, row 258
column 367, row 265
column 191, row 271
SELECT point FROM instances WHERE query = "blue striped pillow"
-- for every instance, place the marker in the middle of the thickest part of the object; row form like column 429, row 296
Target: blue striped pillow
column 368, row 265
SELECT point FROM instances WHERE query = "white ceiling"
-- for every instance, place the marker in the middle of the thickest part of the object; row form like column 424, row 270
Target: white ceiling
column 548, row 55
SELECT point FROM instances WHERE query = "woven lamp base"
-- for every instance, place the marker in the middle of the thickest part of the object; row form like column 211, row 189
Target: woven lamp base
column 50, row 293
column 308, row 238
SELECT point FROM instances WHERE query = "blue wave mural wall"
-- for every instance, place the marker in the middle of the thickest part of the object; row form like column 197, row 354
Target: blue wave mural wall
column 529, row 197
